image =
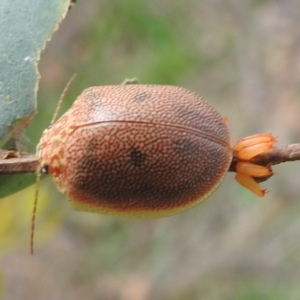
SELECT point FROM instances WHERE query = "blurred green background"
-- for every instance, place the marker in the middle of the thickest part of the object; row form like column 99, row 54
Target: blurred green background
column 244, row 58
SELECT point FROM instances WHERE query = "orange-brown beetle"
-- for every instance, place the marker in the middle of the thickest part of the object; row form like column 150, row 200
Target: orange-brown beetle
column 143, row 151
column 137, row 150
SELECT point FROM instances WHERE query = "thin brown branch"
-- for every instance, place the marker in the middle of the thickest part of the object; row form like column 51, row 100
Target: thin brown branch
column 279, row 155
column 274, row 156
column 25, row 164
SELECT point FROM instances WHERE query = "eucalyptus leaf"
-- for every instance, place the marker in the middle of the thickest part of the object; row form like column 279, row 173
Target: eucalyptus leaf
column 25, row 27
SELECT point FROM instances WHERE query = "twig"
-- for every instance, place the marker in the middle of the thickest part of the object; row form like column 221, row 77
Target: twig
column 274, row 156
column 25, row 164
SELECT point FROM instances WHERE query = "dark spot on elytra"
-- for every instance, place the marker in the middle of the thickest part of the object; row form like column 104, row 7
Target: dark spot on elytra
column 94, row 98
column 86, row 164
column 184, row 146
column 140, row 97
column 84, row 171
column 92, row 144
column 137, row 157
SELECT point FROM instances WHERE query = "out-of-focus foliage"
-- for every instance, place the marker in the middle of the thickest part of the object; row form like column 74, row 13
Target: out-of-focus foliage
column 243, row 57
column 15, row 220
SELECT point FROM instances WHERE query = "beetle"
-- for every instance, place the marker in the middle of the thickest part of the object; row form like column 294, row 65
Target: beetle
column 144, row 151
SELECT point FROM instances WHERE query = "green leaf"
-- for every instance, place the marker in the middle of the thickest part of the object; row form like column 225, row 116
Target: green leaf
column 25, row 27
column 10, row 184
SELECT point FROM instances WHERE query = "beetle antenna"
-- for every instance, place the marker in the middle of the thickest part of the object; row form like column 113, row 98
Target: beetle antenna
column 62, row 96
column 36, row 196
column 39, row 168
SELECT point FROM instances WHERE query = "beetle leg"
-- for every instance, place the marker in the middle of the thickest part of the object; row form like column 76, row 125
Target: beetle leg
column 246, row 149
column 253, row 145
column 253, row 170
column 250, row 183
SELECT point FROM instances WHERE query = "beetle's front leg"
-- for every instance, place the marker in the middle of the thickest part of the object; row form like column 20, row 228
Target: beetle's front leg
column 246, row 171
